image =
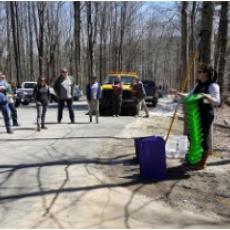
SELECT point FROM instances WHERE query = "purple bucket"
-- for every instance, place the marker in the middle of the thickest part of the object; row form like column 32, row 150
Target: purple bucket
column 151, row 155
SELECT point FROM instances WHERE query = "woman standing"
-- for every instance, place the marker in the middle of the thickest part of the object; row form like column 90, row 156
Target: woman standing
column 41, row 95
column 210, row 91
column 117, row 96
column 140, row 94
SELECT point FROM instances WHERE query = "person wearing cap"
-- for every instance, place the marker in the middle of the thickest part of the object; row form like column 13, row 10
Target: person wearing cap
column 41, row 96
column 64, row 89
column 4, row 88
column 93, row 93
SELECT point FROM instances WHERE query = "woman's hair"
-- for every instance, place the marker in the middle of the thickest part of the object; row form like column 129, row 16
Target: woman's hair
column 211, row 73
column 40, row 79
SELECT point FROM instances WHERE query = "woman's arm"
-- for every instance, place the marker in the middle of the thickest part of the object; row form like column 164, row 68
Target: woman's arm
column 214, row 94
column 177, row 93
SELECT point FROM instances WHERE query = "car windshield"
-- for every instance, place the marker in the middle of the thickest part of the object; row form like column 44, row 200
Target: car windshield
column 29, row 85
column 126, row 79
column 148, row 83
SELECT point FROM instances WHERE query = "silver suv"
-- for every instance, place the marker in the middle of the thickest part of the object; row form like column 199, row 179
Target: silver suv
column 25, row 93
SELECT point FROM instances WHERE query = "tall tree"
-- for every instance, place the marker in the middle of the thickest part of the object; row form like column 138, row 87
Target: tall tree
column 41, row 6
column 222, row 46
column 31, row 50
column 122, row 31
column 192, row 44
column 103, row 39
column 92, row 34
column 206, row 47
column 184, row 41
column 77, row 29
column 9, row 53
column 206, row 33
column 14, row 20
column 90, row 38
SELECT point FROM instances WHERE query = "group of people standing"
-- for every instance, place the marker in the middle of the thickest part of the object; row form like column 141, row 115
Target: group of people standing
column 64, row 87
column 93, row 94
column 138, row 92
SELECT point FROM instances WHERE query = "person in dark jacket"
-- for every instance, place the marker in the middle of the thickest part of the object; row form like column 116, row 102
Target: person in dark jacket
column 93, row 93
column 64, row 88
column 41, row 96
column 140, row 94
column 4, row 88
column 209, row 89
column 117, row 96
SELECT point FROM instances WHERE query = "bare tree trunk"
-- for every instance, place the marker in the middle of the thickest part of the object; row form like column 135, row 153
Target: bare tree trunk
column 222, row 41
column 184, row 41
column 205, row 49
column 9, row 54
column 122, row 31
column 14, row 19
column 92, row 34
column 184, row 53
column 22, row 38
column 102, row 34
column 31, row 53
column 90, row 39
column 114, row 39
column 77, row 29
column 206, row 32
column 41, row 19
column 192, row 43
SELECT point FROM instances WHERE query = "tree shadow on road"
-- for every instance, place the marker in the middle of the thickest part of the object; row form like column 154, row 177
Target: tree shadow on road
column 174, row 173
column 63, row 138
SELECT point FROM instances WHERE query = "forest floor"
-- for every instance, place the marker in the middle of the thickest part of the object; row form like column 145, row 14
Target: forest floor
column 205, row 192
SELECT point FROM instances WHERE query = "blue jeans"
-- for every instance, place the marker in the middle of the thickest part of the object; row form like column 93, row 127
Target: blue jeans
column 5, row 112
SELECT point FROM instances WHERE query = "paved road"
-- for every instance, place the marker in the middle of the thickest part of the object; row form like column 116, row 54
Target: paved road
column 37, row 168
column 55, row 179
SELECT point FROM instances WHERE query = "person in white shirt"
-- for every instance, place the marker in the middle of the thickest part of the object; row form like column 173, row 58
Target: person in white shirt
column 93, row 93
column 210, row 91
column 64, row 88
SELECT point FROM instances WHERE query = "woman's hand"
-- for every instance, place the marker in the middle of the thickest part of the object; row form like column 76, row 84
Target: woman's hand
column 173, row 91
column 206, row 96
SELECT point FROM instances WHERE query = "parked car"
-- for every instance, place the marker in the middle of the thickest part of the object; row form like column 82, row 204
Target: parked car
column 129, row 103
column 53, row 96
column 24, row 94
column 151, row 92
column 77, row 93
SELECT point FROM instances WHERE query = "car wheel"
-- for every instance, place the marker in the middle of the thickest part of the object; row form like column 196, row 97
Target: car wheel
column 17, row 103
column 25, row 103
column 154, row 102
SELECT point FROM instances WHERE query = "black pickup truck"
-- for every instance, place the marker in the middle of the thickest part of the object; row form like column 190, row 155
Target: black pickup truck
column 151, row 92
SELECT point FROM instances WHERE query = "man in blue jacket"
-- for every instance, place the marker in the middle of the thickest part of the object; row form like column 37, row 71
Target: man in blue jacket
column 4, row 87
column 93, row 93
